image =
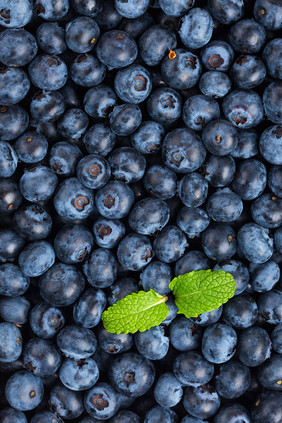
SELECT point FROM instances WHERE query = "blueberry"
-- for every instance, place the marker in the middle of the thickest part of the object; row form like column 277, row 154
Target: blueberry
column 272, row 102
column 247, row 36
column 18, row 47
column 99, row 139
column 271, row 55
column 127, row 164
column 132, row 374
column 73, row 243
column 232, row 413
column 41, row 357
column 13, row 281
column 199, row 110
column 15, row 15
column 87, row 7
column 183, row 150
column 88, row 309
column 63, row 158
column 99, row 101
column 114, row 200
column 152, row 343
column 190, row 419
column 125, row 416
column 220, row 137
column 172, row 311
column 10, row 341
column 217, row 55
column 134, row 252
column 112, row 343
column 267, row 211
column 66, row 403
column 269, row 304
column 233, row 380
column 160, row 182
column 268, row 405
column 108, row 232
column 192, row 369
column 76, row 342
column 243, row 108
column 51, row 38
column 36, row 258
column 147, row 138
column 31, row 147
column 184, row 334
column 9, row 415
column 44, row 417
column 254, row 346
column 108, row 18
column 248, row 72
column 14, row 85
column 196, row 28
column 215, row 84
column 193, row 190
column 155, row 43
column 219, row 242
column 45, row 320
column 276, row 338
column 148, row 216
column 254, row 243
column 48, row 72
column 14, row 310
column 82, row 34
column 240, row 312
column 87, row 71
column 136, row 27
column 158, row 414
column 125, row 119
column 79, row 375
column 202, row 401
column 14, row 121
column 224, row 206
column 24, row 391
column 10, row 198
column 47, row 106
column 116, row 49
column 219, row 343
column 101, row 401
column 270, row 144
column 193, row 260
column 247, row 146
column 157, row 276
column 131, row 8
column 269, row 373
column 164, row 105
column 93, row 171
column 121, row 288
column 38, row 184
column 250, row 179
column 8, row 160
column 226, row 12
column 192, row 221
column 73, row 124
column 100, row 268
column 133, row 84
column 209, row 317
column 268, row 13
column 176, row 8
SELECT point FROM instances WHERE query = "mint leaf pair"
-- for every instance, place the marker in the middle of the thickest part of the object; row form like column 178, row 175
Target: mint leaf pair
column 195, row 293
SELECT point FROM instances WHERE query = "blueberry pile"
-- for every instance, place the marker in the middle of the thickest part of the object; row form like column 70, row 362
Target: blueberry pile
column 139, row 140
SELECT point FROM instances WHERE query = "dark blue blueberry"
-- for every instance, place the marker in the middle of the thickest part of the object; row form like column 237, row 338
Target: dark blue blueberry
column 172, row 311
column 278, row 239
column 181, row 69
column 157, row 276
column 184, row 334
column 192, row 369
column 164, row 105
column 61, row 285
column 276, row 339
column 14, row 310
column 99, row 139
column 13, row 122
column 116, row 49
column 250, row 179
column 125, row 119
column 196, row 28
column 36, row 258
column 108, row 18
column 136, row 27
column 220, row 137
column 219, row 343
column 268, row 13
column 199, row 110
column 38, row 184
column 10, row 415
column 31, row 147
column 100, row 268
column 108, row 232
column 121, row 288
column 65, row 403
column 45, row 417
column 125, row 416
column 8, row 160
column 193, row 190
column 88, row 310
column 254, row 346
column 193, row 260
column 41, row 357
column 254, row 243
column 99, row 101
column 10, row 342
column 10, row 197
column 201, row 401
column 272, row 102
column 82, row 34
column 148, row 216
column 270, row 144
column 215, row 84
column 160, row 182
column 93, row 171
column 219, row 242
column 73, row 201
column 269, row 304
column 32, row 222
column 147, row 138
column 247, row 146
column 239, row 272
column 232, row 413
column 73, row 124
column 209, row 317
column 243, row 108
column 224, row 205
column 217, row 55
column 132, row 374
column 131, row 8
column 268, row 404
column 133, row 84
column 101, row 401
column 112, row 343
column 51, row 10
column 24, row 391
column 47, row 106
column 176, row 8
column 270, row 372
column 192, row 221
column 159, row 414
column 51, row 38
column 18, row 47
column 12, row 281
column 15, row 15
column 134, row 252
column 114, row 200
column 271, row 55
column 267, row 211
column 76, row 342
column 87, row 7
column 233, row 380
column 248, row 72
column 48, row 72
column 127, row 164
column 79, row 375
column 240, row 312
column 45, row 320
column 14, row 85
column 63, row 158
column 155, row 43
column 183, row 151
column 190, row 419
column 226, row 12
column 86, row 70
column 247, row 36
column 152, row 343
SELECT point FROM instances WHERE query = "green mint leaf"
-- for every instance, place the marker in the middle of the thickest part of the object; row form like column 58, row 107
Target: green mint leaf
column 137, row 311
column 202, row 291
